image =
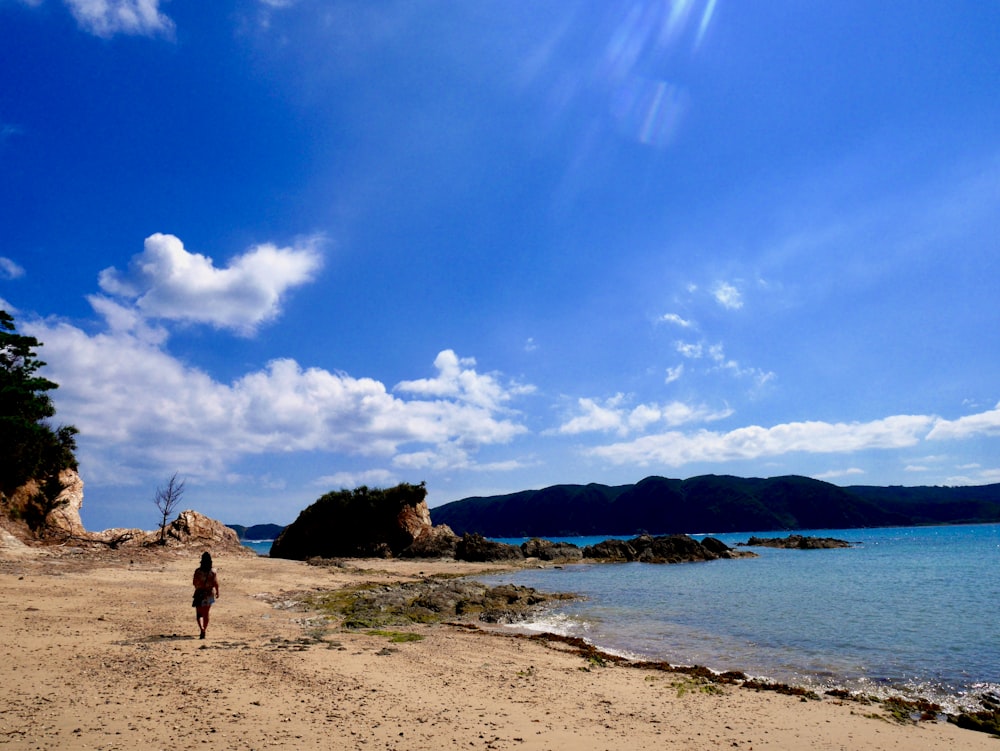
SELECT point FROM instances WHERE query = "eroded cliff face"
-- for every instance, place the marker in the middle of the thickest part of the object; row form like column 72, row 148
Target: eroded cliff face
column 415, row 520
column 28, row 515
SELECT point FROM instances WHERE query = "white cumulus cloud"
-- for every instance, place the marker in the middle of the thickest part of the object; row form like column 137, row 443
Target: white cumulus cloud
column 458, row 379
column 983, row 423
column 138, row 408
column 728, row 296
column 168, row 282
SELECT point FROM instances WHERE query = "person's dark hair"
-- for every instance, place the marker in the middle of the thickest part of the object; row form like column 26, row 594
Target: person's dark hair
column 206, row 562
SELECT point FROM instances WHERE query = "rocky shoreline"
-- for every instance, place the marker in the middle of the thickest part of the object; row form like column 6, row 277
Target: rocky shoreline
column 465, row 602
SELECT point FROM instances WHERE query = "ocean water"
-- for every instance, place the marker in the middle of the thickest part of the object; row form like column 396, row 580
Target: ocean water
column 906, row 611
column 260, row 547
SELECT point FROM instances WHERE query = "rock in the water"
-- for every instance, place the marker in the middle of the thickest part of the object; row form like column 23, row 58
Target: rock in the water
column 476, row 548
column 717, row 546
column 546, row 550
column 660, row 549
column 611, row 550
column 797, row 542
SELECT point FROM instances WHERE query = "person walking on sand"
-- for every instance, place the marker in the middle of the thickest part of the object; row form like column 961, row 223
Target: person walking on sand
column 206, row 590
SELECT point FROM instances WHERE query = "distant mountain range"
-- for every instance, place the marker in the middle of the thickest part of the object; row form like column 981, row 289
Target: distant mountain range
column 257, row 531
column 715, row 503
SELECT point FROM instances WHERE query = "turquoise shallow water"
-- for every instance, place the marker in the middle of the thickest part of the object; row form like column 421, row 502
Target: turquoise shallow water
column 907, row 610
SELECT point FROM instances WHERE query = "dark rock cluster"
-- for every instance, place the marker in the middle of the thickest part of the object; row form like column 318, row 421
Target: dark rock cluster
column 546, row 550
column 660, row 549
column 796, row 542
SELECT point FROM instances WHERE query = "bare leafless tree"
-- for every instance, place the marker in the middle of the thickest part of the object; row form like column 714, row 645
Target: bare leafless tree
column 166, row 500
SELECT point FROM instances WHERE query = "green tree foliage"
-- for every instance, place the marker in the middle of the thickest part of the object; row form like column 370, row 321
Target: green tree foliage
column 359, row 522
column 29, row 447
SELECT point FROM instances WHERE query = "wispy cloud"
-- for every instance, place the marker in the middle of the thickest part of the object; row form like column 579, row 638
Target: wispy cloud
column 376, row 477
column 675, row 319
column 675, row 373
column 616, row 415
column 675, row 448
column 8, row 130
column 106, row 18
column 715, row 355
column 167, row 282
column 836, row 473
column 9, row 269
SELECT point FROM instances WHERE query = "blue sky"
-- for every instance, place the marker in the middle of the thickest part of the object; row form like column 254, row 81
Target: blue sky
column 281, row 247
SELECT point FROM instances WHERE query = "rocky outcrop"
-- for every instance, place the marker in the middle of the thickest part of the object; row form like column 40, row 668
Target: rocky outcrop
column 611, row 550
column 476, row 548
column 189, row 530
column 433, row 542
column 430, row 600
column 796, row 542
column 30, row 516
column 192, row 528
column 546, row 550
column 64, row 518
column 661, row 549
column 717, row 546
column 414, row 519
column 365, row 522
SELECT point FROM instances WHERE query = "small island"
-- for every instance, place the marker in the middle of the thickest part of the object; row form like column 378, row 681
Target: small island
column 796, row 542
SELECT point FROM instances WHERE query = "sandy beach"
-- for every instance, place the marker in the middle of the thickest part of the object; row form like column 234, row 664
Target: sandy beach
column 101, row 652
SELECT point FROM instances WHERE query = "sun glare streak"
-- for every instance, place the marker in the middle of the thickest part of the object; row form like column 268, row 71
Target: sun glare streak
column 706, row 19
column 649, row 108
